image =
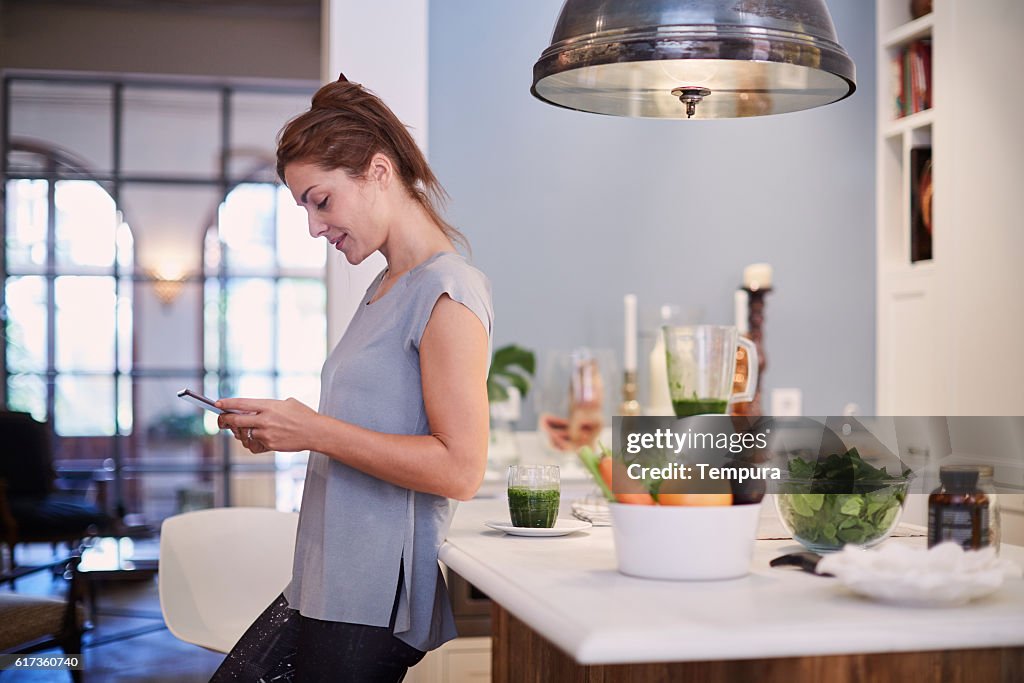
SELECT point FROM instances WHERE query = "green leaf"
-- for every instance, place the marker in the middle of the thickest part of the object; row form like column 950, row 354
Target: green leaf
column 590, row 460
column 511, row 365
column 852, row 506
column 800, row 505
column 848, row 522
column 512, row 355
column 889, row 517
column 496, row 392
column 852, row 535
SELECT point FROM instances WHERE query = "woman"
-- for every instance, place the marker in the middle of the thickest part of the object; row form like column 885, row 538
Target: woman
column 402, row 425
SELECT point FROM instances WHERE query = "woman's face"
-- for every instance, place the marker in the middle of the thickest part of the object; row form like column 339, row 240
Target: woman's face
column 341, row 209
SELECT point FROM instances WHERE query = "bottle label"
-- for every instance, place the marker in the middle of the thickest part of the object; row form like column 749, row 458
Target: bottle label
column 956, row 523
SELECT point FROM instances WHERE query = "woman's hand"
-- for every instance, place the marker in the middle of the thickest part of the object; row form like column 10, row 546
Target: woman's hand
column 267, row 424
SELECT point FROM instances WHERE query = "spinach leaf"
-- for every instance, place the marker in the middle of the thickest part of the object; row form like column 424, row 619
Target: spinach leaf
column 840, row 499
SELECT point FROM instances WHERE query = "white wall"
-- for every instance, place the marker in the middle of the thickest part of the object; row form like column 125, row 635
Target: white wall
column 383, row 45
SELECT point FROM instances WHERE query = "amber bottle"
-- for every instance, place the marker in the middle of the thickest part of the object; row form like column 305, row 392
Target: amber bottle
column 958, row 511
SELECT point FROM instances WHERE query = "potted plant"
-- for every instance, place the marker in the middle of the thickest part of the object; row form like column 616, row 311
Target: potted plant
column 508, row 382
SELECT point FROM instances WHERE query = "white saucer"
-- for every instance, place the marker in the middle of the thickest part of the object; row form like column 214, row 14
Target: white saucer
column 562, row 527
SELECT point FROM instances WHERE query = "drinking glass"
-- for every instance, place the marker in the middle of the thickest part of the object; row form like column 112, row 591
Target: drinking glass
column 701, row 363
column 533, row 495
column 574, row 396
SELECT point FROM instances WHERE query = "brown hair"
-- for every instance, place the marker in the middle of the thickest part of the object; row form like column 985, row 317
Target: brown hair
column 345, row 126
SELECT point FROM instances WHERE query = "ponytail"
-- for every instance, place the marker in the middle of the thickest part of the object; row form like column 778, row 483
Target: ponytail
column 346, row 125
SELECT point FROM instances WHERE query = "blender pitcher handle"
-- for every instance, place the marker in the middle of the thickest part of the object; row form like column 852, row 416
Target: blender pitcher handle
column 752, row 361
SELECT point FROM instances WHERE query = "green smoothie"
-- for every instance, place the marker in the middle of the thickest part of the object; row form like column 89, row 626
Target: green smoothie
column 534, row 508
column 699, row 406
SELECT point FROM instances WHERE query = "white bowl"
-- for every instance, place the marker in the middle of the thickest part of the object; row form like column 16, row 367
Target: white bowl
column 683, row 542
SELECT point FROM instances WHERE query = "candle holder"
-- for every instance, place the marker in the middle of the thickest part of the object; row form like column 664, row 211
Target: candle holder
column 630, row 405
column 755, row 318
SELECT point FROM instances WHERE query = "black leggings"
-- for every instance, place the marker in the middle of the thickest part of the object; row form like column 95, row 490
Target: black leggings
column 284, row 646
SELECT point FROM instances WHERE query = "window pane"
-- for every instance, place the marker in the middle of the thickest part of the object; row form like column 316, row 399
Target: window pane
column 256, row 118
column 255, row 386
column 75, row 118
column 247, row 227
column 27, row 394
column 84, row 332
column 125, row 414
column 26, row 223
column 250, row 324
column 295, row 248
column 302, row 326
column 171, row 131
column 125, row 320
column 125, row 246
column 166, row 426
column 305, row 388
column 212, row 305
column 85, row 406
column 87, row 224
column 26, row 324
column 211, row 251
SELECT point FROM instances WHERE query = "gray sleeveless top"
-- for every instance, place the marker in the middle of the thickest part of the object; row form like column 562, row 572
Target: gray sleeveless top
column 354, row 529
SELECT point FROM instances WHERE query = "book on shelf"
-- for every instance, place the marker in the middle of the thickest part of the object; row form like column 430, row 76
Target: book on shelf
column 920, row 204
column 912, row 78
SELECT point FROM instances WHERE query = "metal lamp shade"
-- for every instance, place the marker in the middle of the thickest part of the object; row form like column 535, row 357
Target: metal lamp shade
column 703, row 59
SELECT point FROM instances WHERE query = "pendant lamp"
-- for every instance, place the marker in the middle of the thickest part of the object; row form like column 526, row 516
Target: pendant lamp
column 701, row 59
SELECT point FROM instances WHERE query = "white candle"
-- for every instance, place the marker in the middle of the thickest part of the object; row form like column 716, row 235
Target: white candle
column 757, row 276
column 630, row 303
column 740, row 314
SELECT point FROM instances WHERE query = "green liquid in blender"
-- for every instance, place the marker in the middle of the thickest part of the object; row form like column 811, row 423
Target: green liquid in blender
column 699, row 406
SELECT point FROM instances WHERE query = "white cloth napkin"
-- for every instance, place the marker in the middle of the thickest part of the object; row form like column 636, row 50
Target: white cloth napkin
column 940, row 576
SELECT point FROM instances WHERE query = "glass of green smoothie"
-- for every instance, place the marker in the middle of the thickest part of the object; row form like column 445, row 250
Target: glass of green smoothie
column 533, row 495
column 701, row 362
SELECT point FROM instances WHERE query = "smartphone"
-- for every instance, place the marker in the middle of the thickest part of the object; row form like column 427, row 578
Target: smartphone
column 201, row 401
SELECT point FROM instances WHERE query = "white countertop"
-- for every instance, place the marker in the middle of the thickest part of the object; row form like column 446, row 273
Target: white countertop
column 568, row 590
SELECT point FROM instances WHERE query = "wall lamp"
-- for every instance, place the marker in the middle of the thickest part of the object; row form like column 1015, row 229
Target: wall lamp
column 168, row 281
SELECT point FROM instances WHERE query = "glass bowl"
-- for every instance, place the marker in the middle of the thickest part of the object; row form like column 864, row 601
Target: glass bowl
column 863, row 515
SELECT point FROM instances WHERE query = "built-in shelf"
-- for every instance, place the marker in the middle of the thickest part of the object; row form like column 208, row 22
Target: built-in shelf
column 909, row 32
column 936, row 316
column 912, row 122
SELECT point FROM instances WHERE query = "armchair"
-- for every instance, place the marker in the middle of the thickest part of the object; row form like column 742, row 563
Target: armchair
column 32, row 510
column 30, row 623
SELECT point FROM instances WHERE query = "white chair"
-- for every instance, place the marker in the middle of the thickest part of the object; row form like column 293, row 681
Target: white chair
column 220, row 568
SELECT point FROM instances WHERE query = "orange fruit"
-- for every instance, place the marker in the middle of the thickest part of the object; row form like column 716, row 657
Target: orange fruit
column 695, row 499
column 634, row 498
column 694, row 493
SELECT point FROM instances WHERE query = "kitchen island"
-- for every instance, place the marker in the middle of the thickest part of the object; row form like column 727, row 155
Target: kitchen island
column 562, row 612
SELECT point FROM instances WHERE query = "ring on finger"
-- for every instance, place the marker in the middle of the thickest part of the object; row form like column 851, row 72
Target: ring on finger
column 248, row 434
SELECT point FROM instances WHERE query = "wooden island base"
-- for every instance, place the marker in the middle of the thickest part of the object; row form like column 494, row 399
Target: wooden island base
column 521, row 655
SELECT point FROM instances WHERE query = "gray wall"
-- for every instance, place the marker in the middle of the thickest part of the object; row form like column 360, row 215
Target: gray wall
column 568, row 211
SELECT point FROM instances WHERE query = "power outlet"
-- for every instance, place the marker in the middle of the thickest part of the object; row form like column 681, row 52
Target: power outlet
column 788, row 402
